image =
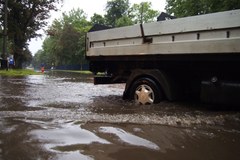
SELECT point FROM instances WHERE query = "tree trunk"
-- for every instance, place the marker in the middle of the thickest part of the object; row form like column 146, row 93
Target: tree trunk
column 18, row 61
column 18, row 51
column 18, row 58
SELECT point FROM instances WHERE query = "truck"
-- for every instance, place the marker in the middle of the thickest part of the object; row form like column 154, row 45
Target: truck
column 195, row 57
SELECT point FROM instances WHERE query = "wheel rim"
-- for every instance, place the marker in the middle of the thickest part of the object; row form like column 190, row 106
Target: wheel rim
column 144, row 95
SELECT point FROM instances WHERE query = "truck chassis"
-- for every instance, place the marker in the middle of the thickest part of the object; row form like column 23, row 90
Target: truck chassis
column 194, row 57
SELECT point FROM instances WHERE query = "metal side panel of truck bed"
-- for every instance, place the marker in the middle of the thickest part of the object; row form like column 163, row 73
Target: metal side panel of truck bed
column 204, row 34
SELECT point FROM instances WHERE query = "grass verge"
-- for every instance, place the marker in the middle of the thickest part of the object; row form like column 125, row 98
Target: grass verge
column 18, row 72
column 74, row 71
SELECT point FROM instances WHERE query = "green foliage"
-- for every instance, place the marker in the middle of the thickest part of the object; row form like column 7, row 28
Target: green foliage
column 38, row 59
column 26, row 57
column 25, row 18
column 124, row 21
column 65, row 44
column 119, row 13
column 183, row 8
column 142, row 13
column 98, row 19
column 116, row 9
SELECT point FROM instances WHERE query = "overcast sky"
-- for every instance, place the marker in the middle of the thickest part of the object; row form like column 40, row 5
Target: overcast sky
column 89, row 7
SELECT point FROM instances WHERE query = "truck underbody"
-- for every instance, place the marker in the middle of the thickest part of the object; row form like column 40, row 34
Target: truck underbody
column 172, row 60
column 188, row 73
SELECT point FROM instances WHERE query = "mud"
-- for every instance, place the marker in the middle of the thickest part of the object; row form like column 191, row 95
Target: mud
column 62, row 115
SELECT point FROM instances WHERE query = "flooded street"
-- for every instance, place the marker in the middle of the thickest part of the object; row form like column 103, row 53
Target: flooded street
column 63, row 116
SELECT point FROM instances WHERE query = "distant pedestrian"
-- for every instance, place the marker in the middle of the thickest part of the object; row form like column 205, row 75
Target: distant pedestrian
column 42, row 68
column 11, row 63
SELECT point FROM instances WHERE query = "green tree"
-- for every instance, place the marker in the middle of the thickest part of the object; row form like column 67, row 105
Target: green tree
column 37, row 59
column 65, row 44
column 124, row 21
column 119, row 13
column 1, row 39
column 98, row 19
column 49, row 46
column 183, row 8
column 116, row 9
column 143, row 13
column 41, row 57
column 25, row 18
column 27, row 57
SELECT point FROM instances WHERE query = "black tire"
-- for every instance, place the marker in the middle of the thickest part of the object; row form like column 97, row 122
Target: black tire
column 145, row 91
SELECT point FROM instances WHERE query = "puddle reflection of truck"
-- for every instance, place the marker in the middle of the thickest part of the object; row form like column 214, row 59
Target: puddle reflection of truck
column 192, row 57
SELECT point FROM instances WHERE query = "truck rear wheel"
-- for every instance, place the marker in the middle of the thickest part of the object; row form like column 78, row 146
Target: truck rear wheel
column 145, row 91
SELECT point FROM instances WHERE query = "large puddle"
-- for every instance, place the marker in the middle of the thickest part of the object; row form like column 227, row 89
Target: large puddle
column 51, row 139
column 64, row 116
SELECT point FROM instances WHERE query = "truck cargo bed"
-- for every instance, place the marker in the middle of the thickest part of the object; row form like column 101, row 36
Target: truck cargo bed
column 217, row 33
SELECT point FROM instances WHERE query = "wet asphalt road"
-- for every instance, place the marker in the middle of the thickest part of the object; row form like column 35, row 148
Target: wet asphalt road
column 64, row 116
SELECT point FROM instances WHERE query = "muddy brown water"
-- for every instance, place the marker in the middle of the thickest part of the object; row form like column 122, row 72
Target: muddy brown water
column 63, row 116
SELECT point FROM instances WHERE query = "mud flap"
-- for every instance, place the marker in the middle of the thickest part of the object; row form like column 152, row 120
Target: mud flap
column 226, row 93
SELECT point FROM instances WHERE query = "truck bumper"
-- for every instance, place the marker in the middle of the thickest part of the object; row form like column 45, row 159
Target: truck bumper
column 102, row 80
column 107, row 80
